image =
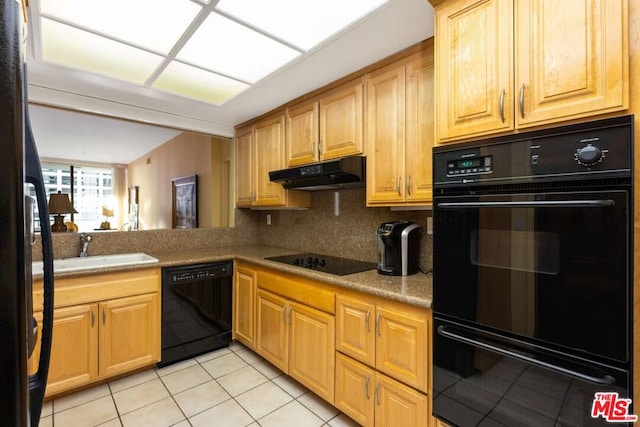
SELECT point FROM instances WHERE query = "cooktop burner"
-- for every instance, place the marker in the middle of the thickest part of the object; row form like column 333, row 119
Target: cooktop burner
column 325, row 263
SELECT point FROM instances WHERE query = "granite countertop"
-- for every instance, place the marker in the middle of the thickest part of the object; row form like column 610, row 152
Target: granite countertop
column 415, row 289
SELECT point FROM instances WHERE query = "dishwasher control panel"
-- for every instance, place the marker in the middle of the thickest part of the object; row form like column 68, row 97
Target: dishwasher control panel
column 198, row 272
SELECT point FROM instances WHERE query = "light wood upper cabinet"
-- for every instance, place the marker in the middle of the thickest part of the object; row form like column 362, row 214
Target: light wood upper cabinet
column 268, row 146
column 303, row 138
column 328, row 127
column 260, row 149
column 399, row 132
column 571, row 59
column 244, row 167
column 244, row 305
column 341, row 121
column 503, row 65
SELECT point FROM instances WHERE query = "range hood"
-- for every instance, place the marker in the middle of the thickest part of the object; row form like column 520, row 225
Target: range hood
column 347, row 172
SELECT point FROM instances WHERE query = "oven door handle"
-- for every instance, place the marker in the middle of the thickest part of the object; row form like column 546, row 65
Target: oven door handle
column 531, row 204
column 446, row 332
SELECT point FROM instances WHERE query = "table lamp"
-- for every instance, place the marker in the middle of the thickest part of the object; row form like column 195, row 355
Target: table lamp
column 107, row 212
column 59, row 206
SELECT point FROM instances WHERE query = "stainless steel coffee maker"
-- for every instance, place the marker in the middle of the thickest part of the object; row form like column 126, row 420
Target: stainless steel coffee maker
column 398, row 248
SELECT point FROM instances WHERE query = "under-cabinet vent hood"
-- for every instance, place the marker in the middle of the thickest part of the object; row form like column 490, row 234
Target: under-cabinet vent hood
column 347, row 172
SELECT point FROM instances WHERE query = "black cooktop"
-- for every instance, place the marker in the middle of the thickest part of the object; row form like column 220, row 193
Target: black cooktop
column 325, row 263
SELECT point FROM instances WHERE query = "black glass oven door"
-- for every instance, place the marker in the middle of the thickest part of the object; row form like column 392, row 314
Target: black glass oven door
column 553, row 267
column 481, row 381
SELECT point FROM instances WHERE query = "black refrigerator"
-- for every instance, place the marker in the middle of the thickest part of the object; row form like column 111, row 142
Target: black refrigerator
column 21, row 395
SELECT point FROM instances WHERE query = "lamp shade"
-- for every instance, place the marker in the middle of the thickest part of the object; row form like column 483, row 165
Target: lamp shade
column 106, row 211
column 60, row 204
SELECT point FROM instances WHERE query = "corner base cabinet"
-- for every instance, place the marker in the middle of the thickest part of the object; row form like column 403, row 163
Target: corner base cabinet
column 103, row 325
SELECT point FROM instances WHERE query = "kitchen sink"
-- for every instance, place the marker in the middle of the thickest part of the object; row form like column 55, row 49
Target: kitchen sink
column 93, row 262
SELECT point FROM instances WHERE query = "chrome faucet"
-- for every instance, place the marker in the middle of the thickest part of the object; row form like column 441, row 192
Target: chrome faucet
column 85, row 239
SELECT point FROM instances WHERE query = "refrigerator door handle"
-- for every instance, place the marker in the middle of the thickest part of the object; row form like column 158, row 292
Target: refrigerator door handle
column 33, row 176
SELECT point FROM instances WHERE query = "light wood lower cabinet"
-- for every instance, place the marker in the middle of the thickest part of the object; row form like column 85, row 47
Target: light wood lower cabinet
column 74, row 348
column 103, row 325
column 129, row 334
column 299, row 340
column 374, row 399
column 244, row 305
column 390, row 337
column 366, row 355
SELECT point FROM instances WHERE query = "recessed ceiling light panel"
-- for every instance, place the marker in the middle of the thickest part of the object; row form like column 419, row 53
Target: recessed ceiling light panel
column 229, row 48
column 192, row 82
column 301, row 23
column 75, row 48
column 153, row 24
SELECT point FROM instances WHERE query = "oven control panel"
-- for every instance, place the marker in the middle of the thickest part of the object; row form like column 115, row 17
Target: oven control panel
column 593, row 150
column 470, row 165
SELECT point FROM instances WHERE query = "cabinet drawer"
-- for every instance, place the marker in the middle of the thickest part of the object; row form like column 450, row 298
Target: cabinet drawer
column 98, row 287
column 299, row 290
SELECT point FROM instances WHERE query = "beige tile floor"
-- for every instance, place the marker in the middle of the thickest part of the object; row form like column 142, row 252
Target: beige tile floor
column 229, row 387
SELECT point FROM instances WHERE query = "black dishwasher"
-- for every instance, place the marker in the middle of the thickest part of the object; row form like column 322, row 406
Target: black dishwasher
column 196, row 310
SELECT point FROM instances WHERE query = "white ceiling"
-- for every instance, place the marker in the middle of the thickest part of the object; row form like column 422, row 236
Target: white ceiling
column 154, row 117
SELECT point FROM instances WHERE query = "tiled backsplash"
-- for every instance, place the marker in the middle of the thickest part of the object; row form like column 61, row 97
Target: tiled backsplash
column 351, row 234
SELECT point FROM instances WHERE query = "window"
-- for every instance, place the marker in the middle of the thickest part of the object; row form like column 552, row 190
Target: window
column 89, row 187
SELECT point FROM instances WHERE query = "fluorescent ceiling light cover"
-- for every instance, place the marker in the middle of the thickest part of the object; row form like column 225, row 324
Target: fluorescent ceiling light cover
column 229, row 48
column 75, row 48
column 302, row 23
column 192, row 82
column 153, row 24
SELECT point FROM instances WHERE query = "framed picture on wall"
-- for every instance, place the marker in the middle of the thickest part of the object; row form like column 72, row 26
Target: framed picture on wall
column 184, row 193
column 133, row 207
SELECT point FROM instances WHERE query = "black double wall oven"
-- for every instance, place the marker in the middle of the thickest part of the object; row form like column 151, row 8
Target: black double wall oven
column 532, row 284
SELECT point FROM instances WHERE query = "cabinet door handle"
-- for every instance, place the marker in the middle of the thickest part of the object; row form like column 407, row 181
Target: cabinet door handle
column 377, row 393
column 409, row 185
column 378, row 319
column 284, row 314
column 104, row 316
column 366, row 321
column 502, row 105
column 522, row 100
column 398, row 186
column 366, row 387
column 319, row 149
column 93, row 318
column 290, row 309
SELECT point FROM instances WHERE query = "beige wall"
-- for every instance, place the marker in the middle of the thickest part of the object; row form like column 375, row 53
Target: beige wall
column 186, row 154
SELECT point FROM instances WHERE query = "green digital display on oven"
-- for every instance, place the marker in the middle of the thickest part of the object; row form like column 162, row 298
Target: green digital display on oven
column 469, row 163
